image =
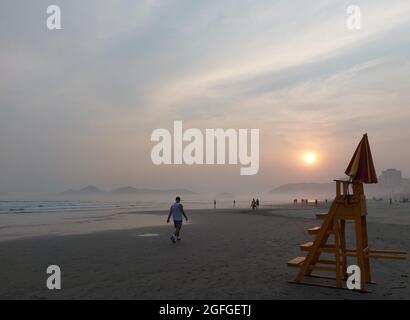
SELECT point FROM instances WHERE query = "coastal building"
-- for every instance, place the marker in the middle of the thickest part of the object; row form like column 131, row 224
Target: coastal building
column 391, row 179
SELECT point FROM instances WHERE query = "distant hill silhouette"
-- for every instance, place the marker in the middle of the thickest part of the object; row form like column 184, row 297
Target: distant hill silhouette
column 305, row 188
column 93, row 190
column 125, row 190
column 89, row 190
column 132, row 190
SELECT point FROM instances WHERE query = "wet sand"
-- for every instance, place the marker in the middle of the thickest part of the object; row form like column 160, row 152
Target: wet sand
column 224, row 254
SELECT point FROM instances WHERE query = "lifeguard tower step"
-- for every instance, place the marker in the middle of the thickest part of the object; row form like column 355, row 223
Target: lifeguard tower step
column 329, row 248
column 306, row 246
column 322, row 265
column 296, row 262
column 321, row 216
column 316, row 230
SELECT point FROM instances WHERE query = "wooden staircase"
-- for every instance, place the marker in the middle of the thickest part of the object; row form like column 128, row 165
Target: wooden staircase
column 330, row 239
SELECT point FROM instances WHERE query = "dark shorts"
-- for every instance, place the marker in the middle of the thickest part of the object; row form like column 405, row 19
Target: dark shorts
column 178, row 224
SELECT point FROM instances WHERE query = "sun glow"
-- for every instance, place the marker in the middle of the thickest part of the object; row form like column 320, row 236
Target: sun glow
column 310, row 158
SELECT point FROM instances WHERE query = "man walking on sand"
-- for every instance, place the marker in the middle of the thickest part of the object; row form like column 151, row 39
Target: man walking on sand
column 177, row 212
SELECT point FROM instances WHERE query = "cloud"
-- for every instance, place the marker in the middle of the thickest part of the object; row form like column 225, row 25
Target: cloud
column 118, row 70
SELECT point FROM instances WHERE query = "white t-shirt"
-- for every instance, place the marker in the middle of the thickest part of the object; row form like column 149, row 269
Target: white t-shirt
column 176, row 211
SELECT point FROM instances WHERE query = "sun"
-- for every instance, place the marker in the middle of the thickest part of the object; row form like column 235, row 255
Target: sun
column 310, row 158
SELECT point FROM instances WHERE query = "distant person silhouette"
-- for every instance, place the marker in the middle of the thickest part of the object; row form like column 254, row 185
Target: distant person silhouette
column 253, row 204
column 214, row 204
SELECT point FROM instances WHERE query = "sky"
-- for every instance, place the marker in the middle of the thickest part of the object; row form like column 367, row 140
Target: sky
column 78, row 105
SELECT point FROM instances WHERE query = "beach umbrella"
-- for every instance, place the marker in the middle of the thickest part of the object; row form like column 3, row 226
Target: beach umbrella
column 361, row 167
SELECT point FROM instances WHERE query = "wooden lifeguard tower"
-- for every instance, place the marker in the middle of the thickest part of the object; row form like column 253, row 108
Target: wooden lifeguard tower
column 348, row 206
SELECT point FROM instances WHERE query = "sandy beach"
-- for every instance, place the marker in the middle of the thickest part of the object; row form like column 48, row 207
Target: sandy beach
column 224, row 254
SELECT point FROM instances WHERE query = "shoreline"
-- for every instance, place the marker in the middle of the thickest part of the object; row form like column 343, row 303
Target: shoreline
column 28, row 225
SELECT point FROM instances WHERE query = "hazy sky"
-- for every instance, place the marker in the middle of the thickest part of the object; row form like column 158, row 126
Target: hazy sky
column 78, row 106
